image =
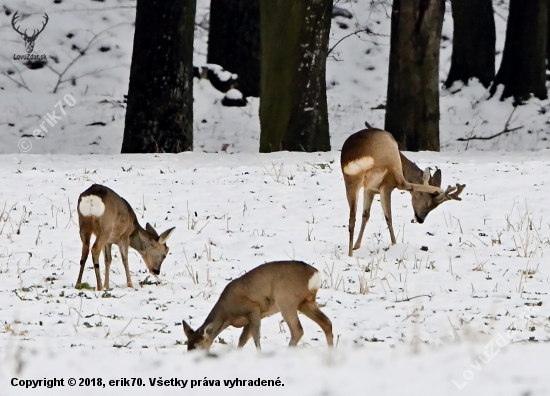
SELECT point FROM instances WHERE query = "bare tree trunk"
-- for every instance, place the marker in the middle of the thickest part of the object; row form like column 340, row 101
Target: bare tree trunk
column 159, row 116
column 234, row 41
column 473, row 42
column 523, row 67
column 412, row 110
column 548, row 41
column 293, row 105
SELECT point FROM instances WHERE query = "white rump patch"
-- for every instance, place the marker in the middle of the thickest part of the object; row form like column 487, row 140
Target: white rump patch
column 358, row 166
column 91, row 205
column 315, row 281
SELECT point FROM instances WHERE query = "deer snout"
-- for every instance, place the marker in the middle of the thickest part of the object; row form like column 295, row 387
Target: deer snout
column 419, row 220
column 155, row 271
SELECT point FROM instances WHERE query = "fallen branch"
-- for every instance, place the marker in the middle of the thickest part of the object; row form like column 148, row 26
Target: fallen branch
column 410, row 298
column 505, row 130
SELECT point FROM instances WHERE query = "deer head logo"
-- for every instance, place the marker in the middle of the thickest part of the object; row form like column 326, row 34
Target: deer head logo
column 29, row 40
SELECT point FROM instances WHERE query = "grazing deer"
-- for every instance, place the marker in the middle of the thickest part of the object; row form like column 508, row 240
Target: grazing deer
column 371, row 159
column 281, row 286
column 111, row 219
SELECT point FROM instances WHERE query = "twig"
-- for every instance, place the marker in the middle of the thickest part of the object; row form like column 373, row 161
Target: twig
column 87, row 9
column 356, row 33
column 506, row 130
column 17, row 82
column 410, row 298
column 80, row 55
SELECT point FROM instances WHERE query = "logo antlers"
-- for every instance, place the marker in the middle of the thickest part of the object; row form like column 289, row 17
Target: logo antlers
column 29, row 40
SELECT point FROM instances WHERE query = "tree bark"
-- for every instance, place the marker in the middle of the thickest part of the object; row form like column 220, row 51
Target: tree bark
column 523, row 67
column 234, row 41
column 548, row 41
column 293, row 101
column 159, row 116
column 412, row 109
column 473, row 42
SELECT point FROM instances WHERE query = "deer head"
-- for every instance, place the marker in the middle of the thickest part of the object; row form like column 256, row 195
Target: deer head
column 155, row 249
column 29, row 40
column 423, row 203
column 200, row 338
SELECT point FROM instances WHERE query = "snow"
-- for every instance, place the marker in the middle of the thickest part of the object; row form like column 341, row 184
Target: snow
column 223, row 75
column 427, row 309
column 234, row 94
column 457, row 306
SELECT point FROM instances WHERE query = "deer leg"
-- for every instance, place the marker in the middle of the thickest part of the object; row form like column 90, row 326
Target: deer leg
column 290, row 315
column 312, row 311
column 385, row 199
column 254, row 319
column 245, row 336
column 99, row 243
column 367, row 202
column 123, row 247
column 352, row 193
column 108, row 259
column 85, row 238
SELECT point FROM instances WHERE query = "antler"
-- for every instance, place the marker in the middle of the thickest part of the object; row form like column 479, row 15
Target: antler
column 36, row 33
column 450, row 193
column 13, row 21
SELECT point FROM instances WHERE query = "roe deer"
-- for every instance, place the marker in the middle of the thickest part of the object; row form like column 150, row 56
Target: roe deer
column 371, row 159
column 280, row 286
column 111, row 219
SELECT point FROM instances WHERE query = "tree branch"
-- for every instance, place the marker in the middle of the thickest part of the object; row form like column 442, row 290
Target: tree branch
column 356, row 33
column 504, row 131
column 80, row 55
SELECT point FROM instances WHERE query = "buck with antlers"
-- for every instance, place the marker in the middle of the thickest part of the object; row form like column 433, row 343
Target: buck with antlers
column 281, row 286
column 109, row 217
column 371, row 160
column 29, row 40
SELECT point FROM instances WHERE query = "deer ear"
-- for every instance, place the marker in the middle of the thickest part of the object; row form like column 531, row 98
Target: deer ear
column 165, row 235
column 426, row 177
column 208, row 330
column 149, row 228
column 187, row 329
column 436, row 179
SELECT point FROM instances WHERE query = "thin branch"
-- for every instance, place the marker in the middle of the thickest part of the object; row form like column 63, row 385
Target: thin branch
column 356, row 33
column 17, row 82
column 86, row 10
column 92, row 73
column 504, row 131
column 410, row 298
column 80, row 55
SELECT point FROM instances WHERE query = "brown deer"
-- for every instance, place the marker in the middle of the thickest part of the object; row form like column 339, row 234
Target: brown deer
column 371, row 160
column 281, row 286
column 111, row 219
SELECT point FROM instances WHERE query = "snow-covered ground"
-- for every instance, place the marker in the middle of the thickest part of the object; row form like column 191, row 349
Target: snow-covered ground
column 98, row 80
column 441, row 305
column 458, row 306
